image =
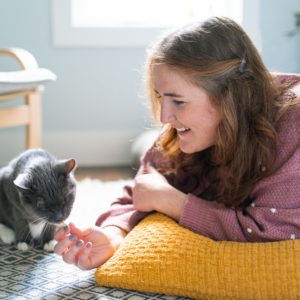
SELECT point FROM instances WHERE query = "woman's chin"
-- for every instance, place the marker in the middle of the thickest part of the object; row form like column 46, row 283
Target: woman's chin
column 187, row 150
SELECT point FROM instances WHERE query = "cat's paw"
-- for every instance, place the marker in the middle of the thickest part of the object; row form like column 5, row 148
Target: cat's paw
column 49, row 247
column 23, row 246
column 7, row 235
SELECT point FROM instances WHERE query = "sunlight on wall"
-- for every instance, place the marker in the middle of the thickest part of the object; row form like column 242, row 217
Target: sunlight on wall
column 154, row 13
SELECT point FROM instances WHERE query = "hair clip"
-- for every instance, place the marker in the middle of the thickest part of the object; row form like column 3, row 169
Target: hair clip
column 242, row 65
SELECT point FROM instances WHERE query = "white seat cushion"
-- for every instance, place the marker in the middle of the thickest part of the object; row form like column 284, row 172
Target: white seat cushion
column 24, row 79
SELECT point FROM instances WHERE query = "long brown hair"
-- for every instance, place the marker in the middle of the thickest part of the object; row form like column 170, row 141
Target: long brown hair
column 218, row 56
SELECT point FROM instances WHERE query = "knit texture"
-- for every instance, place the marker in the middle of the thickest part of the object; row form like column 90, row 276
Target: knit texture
column 160, row 256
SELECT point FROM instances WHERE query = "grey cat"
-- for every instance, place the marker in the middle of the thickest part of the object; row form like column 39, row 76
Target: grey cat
column 37, row 193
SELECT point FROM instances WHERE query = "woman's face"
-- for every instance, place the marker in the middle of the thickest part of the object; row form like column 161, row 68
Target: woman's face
column 187, row 108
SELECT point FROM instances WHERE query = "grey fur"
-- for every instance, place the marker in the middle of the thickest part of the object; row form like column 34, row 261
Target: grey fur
column 36, row 187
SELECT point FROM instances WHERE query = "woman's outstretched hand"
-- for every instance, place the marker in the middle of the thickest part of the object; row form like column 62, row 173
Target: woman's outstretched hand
column 89, row 248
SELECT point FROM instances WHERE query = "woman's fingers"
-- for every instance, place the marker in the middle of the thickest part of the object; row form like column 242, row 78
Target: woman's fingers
column 151, row 169
column 145, row 166
column 148, row 168
column 63, row 245
column 61, row 233
column 70, row 256
column 78, row 232
column 84, row 258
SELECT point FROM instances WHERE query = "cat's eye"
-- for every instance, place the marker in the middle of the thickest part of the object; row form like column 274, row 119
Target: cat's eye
column 33, row 187
column 39, row 202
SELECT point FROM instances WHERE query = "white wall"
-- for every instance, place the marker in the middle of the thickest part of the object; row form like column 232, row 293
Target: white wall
column 95, row 109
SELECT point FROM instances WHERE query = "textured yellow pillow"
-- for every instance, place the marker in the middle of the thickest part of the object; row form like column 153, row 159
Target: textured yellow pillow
column 160, row 256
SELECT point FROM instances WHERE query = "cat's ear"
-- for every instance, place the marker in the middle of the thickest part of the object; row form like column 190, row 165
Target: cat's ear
column 20, row 182
column 66, row 166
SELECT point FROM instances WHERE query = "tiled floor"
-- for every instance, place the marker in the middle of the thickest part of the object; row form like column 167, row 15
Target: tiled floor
column 36, row 274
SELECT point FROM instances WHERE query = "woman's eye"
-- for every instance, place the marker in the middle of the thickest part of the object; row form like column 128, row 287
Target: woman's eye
column 178, row 102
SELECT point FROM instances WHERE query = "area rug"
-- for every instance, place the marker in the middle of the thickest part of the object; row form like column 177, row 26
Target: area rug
column 36, row 274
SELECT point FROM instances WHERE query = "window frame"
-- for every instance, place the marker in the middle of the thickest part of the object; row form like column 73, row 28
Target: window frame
column 65, row 35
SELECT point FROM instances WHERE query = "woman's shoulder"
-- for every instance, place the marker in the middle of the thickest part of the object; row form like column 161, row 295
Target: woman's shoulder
column 288, row 143
column 290, row 116
column 290, row 113
column 288, row 125
column 287, row 78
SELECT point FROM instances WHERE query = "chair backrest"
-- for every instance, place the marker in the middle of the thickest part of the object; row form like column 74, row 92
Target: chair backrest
column 24, row 58
column 24, row 83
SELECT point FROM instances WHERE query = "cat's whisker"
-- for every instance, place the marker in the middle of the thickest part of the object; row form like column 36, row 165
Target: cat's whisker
column 45, row 227
column 38, row 220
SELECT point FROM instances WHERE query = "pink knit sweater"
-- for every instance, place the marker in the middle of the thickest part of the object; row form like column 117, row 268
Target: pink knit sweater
column 273, row 215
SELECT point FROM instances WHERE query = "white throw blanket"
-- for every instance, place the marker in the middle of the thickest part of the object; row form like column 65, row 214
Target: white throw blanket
column 93, row 197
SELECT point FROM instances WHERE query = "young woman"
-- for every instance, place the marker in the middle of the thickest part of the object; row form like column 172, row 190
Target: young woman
column 227, row 163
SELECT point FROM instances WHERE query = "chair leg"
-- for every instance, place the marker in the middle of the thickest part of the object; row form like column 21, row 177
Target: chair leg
column 33, row 129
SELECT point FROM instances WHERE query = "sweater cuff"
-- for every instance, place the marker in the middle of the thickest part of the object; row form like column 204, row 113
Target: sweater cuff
column 192, row 217
column 206, row 217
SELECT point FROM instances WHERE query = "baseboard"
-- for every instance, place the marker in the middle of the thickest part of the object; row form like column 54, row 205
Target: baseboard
column 89, row 148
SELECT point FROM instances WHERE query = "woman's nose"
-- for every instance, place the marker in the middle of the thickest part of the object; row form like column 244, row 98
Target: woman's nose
column 166, row 113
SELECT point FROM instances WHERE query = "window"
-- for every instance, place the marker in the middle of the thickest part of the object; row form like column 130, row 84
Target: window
column 131, row 23
column 154, row 13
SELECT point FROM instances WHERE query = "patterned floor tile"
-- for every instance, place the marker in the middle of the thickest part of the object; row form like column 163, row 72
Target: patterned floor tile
column 35, row 274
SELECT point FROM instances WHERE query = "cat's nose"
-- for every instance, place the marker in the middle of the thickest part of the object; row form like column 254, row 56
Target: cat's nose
column 59, row 217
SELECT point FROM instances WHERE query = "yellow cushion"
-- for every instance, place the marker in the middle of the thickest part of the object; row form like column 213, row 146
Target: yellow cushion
column 160, row 256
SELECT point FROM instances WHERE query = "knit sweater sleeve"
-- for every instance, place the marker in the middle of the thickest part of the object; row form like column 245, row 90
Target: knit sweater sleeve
column 272, row 216
column 122, row 213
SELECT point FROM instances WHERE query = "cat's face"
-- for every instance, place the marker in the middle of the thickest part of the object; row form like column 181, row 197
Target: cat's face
column 47, row 190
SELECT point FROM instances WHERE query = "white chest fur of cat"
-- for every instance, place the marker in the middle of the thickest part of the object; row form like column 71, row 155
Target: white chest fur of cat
column 8, row 236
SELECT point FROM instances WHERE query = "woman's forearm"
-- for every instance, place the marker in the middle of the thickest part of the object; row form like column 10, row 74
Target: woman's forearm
column 172, row 203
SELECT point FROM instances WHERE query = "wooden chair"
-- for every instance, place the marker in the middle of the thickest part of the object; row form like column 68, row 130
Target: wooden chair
column 29, row 113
